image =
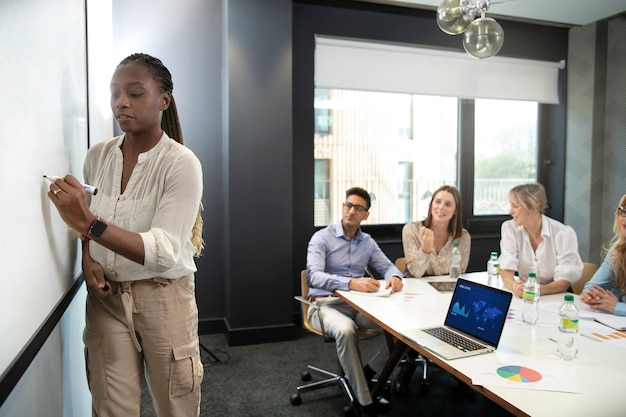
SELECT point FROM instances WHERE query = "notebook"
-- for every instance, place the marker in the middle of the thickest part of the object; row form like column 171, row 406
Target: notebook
column 475, row 320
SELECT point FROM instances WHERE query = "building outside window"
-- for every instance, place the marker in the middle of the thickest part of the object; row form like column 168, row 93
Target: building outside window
column 402, row 147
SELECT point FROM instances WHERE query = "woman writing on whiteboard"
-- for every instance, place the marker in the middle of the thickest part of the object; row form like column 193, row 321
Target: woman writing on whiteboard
column 606, row 290
column 140, row 234
column 533, row 242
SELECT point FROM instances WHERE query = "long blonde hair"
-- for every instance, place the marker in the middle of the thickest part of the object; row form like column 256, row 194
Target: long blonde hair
column 170, row 123
column 617, row 253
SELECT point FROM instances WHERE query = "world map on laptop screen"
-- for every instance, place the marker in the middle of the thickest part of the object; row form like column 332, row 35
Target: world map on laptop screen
column 479, row 311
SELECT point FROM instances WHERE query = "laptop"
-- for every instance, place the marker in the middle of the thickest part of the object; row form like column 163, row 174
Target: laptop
column 473, row 324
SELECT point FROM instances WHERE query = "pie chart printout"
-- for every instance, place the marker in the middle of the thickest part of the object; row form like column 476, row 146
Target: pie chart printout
column 519, row 373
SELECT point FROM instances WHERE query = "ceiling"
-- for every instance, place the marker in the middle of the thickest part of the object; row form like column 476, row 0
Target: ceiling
column 558, row 12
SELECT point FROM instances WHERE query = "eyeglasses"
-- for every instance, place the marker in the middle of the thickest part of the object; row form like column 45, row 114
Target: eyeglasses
column 621, row 211
column 356, row 207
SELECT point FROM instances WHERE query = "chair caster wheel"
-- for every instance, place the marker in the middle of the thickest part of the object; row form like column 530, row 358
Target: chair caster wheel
column 295, row 399
column 424, row 386
column 306, row 376
column 349, row 411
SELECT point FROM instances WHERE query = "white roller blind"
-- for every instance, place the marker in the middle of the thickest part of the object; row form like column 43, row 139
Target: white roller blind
column 356, row 65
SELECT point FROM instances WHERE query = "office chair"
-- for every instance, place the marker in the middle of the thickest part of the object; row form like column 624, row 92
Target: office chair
column 331, row 378
column 588, row 270
column 419, row 359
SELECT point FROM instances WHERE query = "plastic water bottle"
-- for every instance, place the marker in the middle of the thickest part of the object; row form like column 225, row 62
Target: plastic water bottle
column 567, row 344
column 530, row 314
column 493, row 268
column 455, row 261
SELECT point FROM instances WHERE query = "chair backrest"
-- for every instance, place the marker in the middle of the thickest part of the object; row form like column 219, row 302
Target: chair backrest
column 401, row 264
column 588, row 270
column 304, row 293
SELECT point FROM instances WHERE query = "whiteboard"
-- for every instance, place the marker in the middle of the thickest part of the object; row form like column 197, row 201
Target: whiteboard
column 43, row 120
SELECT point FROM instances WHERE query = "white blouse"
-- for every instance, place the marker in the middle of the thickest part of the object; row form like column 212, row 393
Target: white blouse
column 556, row 257
column 160, row 203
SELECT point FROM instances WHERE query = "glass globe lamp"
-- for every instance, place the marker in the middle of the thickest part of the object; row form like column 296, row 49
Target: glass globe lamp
column 483, row 38
column 454, row 16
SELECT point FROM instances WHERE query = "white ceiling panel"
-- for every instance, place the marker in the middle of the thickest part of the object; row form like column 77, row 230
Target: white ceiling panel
column 562, row 12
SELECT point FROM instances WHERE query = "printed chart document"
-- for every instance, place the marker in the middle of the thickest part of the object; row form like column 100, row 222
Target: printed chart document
column 518, row 372
column 417, row 298
column 601, row 333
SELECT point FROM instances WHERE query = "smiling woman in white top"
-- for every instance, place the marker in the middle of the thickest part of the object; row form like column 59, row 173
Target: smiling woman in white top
column 533, row 242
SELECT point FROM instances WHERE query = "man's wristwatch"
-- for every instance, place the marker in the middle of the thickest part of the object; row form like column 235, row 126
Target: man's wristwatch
column 97, row 228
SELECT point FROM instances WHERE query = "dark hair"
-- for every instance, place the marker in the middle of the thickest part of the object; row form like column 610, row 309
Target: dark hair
column 455, row 225
column 170, row 123
column 361, row 193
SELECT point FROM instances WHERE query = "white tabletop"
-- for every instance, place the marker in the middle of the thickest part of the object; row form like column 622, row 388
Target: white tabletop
column 596, row 372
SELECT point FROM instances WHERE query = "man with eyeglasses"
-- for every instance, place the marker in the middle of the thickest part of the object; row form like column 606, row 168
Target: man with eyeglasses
column 339, row 258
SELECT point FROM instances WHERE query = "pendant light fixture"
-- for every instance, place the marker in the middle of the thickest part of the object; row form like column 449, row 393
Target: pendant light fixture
column 482, row 37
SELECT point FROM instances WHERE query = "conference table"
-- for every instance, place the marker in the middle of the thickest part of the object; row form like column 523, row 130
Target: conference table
column 589, row 385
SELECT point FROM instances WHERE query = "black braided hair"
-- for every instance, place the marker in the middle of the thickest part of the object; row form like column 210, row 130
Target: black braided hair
column 170, row 123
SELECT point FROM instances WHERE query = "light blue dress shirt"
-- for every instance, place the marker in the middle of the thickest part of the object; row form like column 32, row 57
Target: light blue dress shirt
column 333, row 260
column 605, row 278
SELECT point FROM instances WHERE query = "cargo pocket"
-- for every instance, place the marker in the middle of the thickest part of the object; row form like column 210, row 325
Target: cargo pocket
column 186, row 371
column 94, row 361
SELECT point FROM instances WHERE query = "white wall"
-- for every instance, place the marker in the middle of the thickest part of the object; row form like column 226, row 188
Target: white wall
column 55, row 383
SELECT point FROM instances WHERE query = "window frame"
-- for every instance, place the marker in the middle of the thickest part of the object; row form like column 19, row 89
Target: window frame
column 483, row 225
column 386, row 23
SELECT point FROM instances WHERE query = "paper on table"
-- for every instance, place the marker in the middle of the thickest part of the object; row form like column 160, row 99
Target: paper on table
column 596, row 331
column 613, row 321
column 428, row 299
column 520, row 372
column 382, row 291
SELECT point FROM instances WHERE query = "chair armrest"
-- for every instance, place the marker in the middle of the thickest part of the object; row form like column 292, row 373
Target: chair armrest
column 313, row 305
column 305, row 301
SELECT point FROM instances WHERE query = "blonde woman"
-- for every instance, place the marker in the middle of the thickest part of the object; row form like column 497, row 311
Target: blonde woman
column 606, row 290
column 533, row 242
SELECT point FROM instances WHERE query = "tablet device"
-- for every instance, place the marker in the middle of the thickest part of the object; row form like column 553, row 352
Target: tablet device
column 443, row 285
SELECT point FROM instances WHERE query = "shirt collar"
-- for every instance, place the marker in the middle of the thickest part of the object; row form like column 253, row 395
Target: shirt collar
column 340, row 233
column 142, row 157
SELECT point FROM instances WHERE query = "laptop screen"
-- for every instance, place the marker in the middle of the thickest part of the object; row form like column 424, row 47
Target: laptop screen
column 478, row 310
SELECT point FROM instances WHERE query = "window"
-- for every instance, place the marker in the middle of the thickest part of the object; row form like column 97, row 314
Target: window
column 419, row 118
column 505, row 151
column 373, row 132
column 322, row 199
column 405, row 192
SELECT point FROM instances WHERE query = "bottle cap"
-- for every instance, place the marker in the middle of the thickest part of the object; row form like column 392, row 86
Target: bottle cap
column 532, row 275
column 455, row 244
column 494, row 254
column 569, row 297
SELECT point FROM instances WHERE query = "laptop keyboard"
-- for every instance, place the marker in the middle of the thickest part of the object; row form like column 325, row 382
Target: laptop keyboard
column 454, row 339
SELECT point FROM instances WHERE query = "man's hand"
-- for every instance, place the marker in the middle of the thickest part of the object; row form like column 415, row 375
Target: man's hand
column 364, row 284
column 395, row 283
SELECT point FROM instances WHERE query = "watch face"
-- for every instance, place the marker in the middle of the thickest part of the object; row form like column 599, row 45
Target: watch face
column 97, row 228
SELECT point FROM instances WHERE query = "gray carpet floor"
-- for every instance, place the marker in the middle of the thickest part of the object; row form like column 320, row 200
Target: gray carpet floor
column 258, row 380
